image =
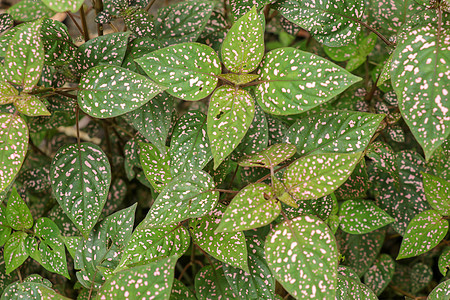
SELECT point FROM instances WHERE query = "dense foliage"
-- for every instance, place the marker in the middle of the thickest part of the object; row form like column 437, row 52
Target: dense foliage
column 225, row 150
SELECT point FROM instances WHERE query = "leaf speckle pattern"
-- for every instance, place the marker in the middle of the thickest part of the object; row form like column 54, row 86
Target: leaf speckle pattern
column 80, row 178
column 270, row 157
column 303, row 256
column 156, row 166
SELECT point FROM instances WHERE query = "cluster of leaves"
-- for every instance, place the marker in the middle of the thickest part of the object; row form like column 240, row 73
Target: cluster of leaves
column 211, row 152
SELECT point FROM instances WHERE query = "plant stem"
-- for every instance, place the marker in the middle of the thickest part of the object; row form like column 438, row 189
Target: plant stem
column 77, row 120
column 84, row 24
column 76, row 23
column 149, row 5
column 226, row 191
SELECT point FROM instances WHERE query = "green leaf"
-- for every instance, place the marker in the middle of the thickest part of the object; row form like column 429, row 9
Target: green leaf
column 29, row 10
column 238, row 79
column 148, row 244
column 352, row 289
column 58, row 45
column 254, row 206
column 30, row 105
column 182, row 22
column 181, row 292
column 64, row 5
column 138, row 48
column 228, row 247
column 189, row 147
column 243, row 47
column 259, row 283
column 153, row 120
column 30, row 290
column 6, row 22
column 81, row 176
column 442, row 291
column 188, row 70
column 303, row 256
column 422, row 98
column 211, row 283
column 189, row 195
column 5, row 229
column 425, row 231
column 230, row 114
column 240, row 7
column 7, row 93
column 329, row 132
column 270, row 157
column 331, row 22
column 317, row 175
column 384, row 158
column 362, row 216
column 102, row 250
column 16, row 251
column 156, row 166
column 437, row 192
column 139, row 21
column 24, row 58
column 444, row 261
column 13, row 147
column 152, row 281
column 110, row 91
column 295, row 81
column 380, row 274
column 51, row 248
column 111, row 46
column 356, row 185
column 18, row 214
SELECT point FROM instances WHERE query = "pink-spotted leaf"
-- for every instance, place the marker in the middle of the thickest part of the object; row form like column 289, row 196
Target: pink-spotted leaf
column 270, row 157
column 444, row 261
column 380, row 273
column 30, row 105
column 188, row 70
column 156, row 166
column 442, row 291
column 80, row 178
column 110, row 91
column 243, row 47
column 5, row 228
column 189, row 195
column 230, row 114
column 294, row 81
column 303, row 256
column 211, row 283
column 425, row 231
column 31, row 290
column 181, row 292
column 7, row 93
column 349, row 288
column 18, row 214
column 64, row 5
column 437, row 192
column 29, row 10
column 15, row 251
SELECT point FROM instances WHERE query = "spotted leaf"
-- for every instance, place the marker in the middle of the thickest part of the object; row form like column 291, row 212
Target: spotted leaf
column 156, row 166
column 110, row 91
column 270, row 157
column 18, row 214
column 228, row 247
column 210, row 282
column 52, row 251
column 13, row 147
column 150, row 281
column 243, row 47
column 230, row 114
column 444, row 261
column 58, row 45
column 380, row 274
column 104, row 247
column 294, row 81
column 254, row 206
column 16, row 251
column 303, row 257
column 30, row 290
column 29, row 10
column 5, row 229
column 189, row 147
column 6, row 22
column 189, row 195
column 385, row 159
column 259, row 283
column 349, row 288
column 181, row 292
column 138, row 48
column 64, row 5
column 422, row 98
column 317, row 175
column 437, row 192
column 442, row 291
column 331, row 22
column 148, row 244
column 153, row 120
column 189, row 70
column 140, row 22
column 111, row 46
column 425, row 231
column 7, row 93
column 182, row 22
column 80, row 177
column 30, row 105
column 362, row 216
column 238, row 79
column 24, row 58
column 240, row 7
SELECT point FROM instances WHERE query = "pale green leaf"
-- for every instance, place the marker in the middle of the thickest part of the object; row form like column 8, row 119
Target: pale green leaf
column 238, row 79
column 442, row 291
column 64, row 5
column 270, row 157
column 437, row 192
column 7, row 93
column 18, row 214
column 16, row 251
column 30, row 105
column 156, row 166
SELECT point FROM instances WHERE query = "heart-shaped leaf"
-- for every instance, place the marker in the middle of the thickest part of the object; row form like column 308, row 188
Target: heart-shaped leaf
column 210, row 282
column 16, row 251
column 437, row 192
column 18, row 214
column 380, row 273
column 441, row 291
column 156, row 166
column 64, row 5
column 30, row 105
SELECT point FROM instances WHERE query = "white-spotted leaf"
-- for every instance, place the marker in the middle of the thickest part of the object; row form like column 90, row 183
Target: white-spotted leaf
column 15, row 251
column 230, row 114
column 80, row 178
column 437, row 192
column 189, row 195
column 441, row 292
column 156, row 166
column 110, row 91
column 18, row 214
column 318, row 175
column 362, row 216
column 238, row 79
column 425, row 231
column 13, row 147
column 303, row 256
column 64, row 5
column 294, row 81
column 350, row 288
column 254, row 206
column 243, row 47
column 270, row 157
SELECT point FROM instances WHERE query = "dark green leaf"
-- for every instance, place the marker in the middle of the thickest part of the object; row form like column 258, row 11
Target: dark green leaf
column 16, row 251
column 380, row 273
column 211, row 283
column 5, row 229
column 352, row 289
column 444, row 261
column 29, row 10
column 63, row 5
column 58, row 45
column 181, row 292
column 437, row 192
